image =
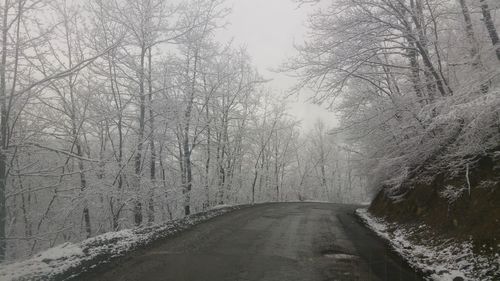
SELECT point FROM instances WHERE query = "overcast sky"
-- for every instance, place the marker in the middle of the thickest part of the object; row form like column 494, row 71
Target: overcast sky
column 268, row 28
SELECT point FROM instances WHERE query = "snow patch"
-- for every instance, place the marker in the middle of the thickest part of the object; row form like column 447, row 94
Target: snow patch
column 438, row 258
column 340, row 256
column 452, row 193
column 60, row 252
column 55, row 260
column 221, row 206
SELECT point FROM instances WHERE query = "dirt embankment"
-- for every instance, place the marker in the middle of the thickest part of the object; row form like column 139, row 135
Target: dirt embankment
column 446, row 205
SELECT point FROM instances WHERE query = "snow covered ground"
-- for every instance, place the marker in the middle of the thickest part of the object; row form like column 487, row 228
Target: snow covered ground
column 438, row 258
column 67, row 259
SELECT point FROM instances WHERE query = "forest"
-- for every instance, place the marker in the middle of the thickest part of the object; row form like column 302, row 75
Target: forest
column 123, row 114
column 416, row 84
column 119, row 114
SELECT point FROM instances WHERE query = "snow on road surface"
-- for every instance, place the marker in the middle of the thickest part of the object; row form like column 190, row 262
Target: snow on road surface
column 438, row 258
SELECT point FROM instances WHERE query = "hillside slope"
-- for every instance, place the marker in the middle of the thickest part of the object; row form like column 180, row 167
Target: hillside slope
column 449, row 207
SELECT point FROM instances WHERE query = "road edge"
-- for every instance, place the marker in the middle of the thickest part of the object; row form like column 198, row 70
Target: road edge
column 70, row 261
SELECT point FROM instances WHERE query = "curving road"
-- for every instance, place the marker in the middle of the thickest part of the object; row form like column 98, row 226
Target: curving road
column 269, row 242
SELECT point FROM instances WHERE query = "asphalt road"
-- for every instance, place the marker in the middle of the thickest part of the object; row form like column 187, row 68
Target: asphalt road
column 270, row 242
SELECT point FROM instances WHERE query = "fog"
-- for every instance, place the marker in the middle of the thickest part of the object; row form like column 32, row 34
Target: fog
column 269, row 30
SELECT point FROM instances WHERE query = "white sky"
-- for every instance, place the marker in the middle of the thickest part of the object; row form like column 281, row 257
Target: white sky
column 268, row 29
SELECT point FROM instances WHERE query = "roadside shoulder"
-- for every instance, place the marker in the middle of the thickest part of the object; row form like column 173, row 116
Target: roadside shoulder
column 68, row 260
column 438, row 257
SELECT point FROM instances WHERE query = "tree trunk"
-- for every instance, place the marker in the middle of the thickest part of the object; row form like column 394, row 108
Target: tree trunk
column 432, row 75
column 222, row 159
column 140, row 140
column 187, row 167
column 119, row 125
column 83, row 182
column 186, row 145
column 490, row 26
column 4, row 134
column 207, row 162
column 474, row 48
column 414, row 69
column 276, row 167
column 151, row 207
column 75, row 131
column 419, row 20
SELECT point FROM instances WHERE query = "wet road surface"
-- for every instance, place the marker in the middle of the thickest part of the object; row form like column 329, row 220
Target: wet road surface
column 269, row 242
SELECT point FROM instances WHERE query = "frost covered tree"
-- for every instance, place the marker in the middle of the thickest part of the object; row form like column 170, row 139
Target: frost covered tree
column 412, row 80
column 117, row 114
column 24, row 75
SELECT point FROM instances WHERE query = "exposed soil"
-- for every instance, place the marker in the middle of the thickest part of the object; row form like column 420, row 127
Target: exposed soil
column 474, row 216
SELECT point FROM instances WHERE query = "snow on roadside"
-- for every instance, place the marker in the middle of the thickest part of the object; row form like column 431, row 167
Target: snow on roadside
column 67, row 255
column 438, row 258
column 65, row 260
column 221, row 206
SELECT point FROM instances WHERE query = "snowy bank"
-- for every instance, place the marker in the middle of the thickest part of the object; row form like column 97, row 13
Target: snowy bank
column 438, row 258
column 68, row 260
